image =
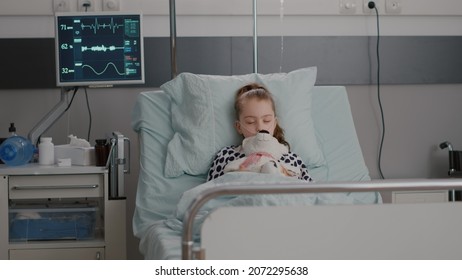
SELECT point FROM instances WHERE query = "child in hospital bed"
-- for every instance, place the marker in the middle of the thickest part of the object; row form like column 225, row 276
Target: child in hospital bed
column 255, row 112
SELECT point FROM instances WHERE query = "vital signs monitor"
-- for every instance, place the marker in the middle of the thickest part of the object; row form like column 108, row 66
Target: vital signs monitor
column 99, row 49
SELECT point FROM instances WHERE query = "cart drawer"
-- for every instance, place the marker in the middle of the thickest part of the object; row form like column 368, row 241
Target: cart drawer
column 52, row 224
column 58, row 254
column 56, row 186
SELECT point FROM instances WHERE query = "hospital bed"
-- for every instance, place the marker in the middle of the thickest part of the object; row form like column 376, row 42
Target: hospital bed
column 244, row 215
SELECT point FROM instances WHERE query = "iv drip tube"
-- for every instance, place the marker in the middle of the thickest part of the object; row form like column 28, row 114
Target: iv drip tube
column 173, row 38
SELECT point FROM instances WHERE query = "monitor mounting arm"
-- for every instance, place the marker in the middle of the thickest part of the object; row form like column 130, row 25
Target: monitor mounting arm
column 47, row 121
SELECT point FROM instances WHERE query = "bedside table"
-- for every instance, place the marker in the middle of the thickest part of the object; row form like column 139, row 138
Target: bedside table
column 50, row 212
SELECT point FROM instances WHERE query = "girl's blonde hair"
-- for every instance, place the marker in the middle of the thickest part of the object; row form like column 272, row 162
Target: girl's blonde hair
column 259, row 92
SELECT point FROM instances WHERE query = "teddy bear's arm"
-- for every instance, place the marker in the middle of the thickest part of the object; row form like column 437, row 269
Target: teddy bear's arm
column 234, row 165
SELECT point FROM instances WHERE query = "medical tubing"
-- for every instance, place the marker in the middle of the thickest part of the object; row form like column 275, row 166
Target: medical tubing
column 246, row 127
column 379, row 98
column 172, row 13
column 90, row 120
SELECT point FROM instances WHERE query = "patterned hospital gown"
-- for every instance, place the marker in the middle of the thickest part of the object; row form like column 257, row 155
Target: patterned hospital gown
column 230, row 153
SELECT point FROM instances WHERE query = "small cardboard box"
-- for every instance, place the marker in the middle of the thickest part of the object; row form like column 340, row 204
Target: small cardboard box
column 78, row 155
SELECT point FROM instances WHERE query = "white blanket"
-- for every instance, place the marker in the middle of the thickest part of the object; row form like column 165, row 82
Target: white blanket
column 254, row 180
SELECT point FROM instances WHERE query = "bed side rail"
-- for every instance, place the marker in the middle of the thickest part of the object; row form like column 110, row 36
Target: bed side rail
column 288, row 188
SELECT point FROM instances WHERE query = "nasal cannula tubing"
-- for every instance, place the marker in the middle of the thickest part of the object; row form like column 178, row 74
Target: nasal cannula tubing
column 252, row 130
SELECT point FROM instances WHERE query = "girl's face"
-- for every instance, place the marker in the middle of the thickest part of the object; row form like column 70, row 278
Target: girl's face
column 256, row 115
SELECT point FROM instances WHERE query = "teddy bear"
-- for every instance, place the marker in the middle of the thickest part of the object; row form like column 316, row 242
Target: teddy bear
column 262, row 154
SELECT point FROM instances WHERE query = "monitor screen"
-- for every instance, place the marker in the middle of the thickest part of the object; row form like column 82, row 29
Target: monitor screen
column 99, row 49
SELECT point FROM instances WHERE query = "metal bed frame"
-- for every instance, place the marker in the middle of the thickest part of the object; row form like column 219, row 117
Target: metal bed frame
column 366, row 186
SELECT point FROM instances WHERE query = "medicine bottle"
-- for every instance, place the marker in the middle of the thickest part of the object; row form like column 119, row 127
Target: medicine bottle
column 102, row 148
column 12, row 129
column 46, row 151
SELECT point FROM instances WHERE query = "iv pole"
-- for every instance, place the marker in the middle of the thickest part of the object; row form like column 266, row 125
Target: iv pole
column 255, row 46
column 173, row 38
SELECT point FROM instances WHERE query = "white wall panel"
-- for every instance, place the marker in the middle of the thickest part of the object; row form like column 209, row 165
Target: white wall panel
column 239, row 7
column 33, row 19
column 211, row 26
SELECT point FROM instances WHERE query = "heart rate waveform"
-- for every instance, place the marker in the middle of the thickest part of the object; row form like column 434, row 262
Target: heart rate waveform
column 104, row 70
column 97, row 26
column 101, row 48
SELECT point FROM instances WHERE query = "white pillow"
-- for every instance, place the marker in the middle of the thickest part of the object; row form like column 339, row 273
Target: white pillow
column 203, row 117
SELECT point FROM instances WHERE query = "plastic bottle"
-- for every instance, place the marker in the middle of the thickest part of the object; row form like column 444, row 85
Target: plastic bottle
column 102, row 151
column 46, row 151
column 16, row 150
column 12, row 129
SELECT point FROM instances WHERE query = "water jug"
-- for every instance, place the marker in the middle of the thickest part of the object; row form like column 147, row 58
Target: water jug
column 16, row 150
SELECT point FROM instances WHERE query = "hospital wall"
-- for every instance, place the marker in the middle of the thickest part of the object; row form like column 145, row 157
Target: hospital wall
column 421, row 88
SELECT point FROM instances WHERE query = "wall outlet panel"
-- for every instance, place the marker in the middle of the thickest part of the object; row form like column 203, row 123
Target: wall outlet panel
column 81, row 5
column 393, row 6
column 368, row 11
column 61, row 6
column 348, row 7
column 111, row 5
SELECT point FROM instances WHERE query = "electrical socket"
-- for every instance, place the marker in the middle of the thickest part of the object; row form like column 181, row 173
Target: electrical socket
column 111, row 5
column 393, row 6
column 82, row 8
column 367, row 10
column 348, row 7
column 61, row 5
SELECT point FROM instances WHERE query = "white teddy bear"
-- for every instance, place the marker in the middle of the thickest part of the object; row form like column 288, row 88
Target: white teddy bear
column 262, row 154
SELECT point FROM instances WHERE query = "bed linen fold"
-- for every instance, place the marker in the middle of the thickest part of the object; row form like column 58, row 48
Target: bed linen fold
column 175, row 222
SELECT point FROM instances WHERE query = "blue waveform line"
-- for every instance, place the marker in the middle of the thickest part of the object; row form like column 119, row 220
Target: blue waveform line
column 96, row 26
column 104, row 70
column 101, row 48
